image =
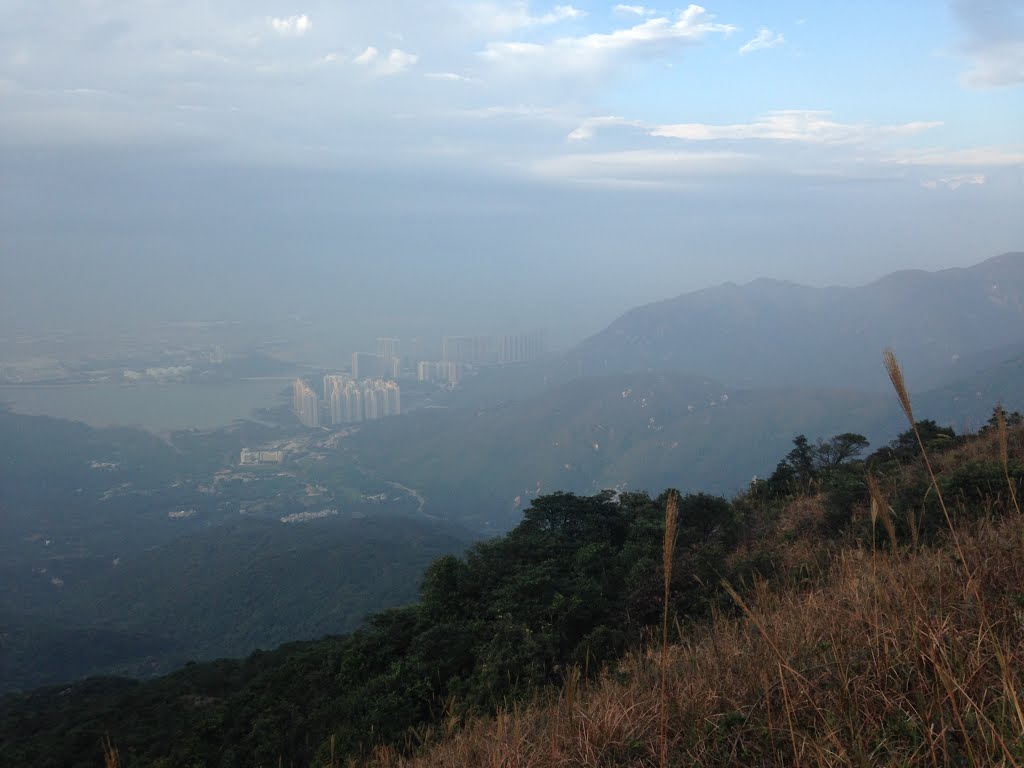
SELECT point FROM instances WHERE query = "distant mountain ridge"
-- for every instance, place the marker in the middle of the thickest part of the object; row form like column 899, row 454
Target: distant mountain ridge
column 630, row 431
column 770, row 333
column 647, row 431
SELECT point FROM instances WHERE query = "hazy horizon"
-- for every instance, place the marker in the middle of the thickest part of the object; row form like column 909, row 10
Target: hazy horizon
column 486, row 167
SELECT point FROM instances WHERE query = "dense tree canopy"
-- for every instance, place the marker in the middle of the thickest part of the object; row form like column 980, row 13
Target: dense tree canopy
column 577, row 583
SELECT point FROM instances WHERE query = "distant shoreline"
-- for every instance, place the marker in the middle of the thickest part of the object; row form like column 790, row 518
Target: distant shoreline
column 151, row 405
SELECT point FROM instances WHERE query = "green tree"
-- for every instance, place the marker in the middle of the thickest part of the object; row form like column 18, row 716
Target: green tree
column 830, row 454
column 904, row 447
column 1010, row 419
column 801, row 461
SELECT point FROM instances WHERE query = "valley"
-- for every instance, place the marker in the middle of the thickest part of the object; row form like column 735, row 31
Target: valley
column 113, row 530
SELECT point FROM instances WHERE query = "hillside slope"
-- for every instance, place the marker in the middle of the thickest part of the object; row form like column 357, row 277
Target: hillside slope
column 776, row 334
column 635, row 431
column 223, row 592
column 889, row 661
column 883, row 653
column 643, row 431
column 768, row 672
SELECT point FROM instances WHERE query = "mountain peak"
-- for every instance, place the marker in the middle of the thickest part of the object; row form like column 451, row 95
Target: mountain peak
column 772, row 332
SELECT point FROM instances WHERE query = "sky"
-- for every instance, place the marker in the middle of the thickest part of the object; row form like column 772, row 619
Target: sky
column 412, row 168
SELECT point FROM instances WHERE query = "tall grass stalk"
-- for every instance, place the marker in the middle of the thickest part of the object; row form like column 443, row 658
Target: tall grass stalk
column 892, row 367
column 111, row 756
column 667, row 556
column 880, row 509
column 1004, row 453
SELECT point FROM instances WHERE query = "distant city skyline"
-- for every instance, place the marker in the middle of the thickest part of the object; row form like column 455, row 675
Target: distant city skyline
column 350, row 401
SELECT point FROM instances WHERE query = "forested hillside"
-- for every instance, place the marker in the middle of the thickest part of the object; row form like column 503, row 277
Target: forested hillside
column 220, row 593
column 121, row 553
column 572, row 590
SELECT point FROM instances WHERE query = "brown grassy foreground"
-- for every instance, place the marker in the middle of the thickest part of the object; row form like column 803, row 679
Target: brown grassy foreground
column 906, row 659
column 891, row 662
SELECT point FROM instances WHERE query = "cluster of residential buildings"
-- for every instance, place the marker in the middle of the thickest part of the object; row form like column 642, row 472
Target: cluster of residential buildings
column 346, row 400
column 350, row 401
column 459, row 353
column 439, row 372
column 371, row 391
column 492, row 350
column 249, row 458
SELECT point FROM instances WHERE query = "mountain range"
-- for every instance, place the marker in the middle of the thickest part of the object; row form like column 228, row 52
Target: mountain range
column 701, row 393
column 769, row 333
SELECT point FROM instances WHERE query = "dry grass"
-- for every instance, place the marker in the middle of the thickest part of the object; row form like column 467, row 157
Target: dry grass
column 892, row 367
column 886, row 659
column 880, row 509
column 111, row 755
column 668, row 557
column 1004, row 453
column 887, row 663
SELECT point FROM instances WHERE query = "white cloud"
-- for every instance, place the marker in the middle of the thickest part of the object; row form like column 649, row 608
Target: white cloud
column 954, row 182
column 979, row 157
column 791, row 125
column 636, row 10
column 178, row 84
column 559, row 13
column 453, row 77
column 366, row 57
column 585, row 130
column 519, row 112
column 793, row 144
column 765, row 39
column 593, row 51
column 291, row 26
column 496, row 18
column 642, row 166
column 396, row 61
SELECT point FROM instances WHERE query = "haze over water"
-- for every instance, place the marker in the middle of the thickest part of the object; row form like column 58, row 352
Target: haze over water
column 153, row 406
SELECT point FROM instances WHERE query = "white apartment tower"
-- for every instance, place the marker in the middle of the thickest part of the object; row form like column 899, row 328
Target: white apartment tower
column 353, row 401
column 305, row 403
column 387, row 348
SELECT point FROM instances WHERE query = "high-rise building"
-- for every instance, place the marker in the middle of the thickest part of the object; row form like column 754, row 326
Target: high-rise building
column 354, row 401
column 332, row 380
column 521, row 348
column 468, row 350
column 338, row 398
column 334, row 395
column 306, row 403
column 438, row 372
column 373, row 403
column 369, row 366
column 392, row 399
column 387, row 348
column 353, row 404
column 336, row 406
